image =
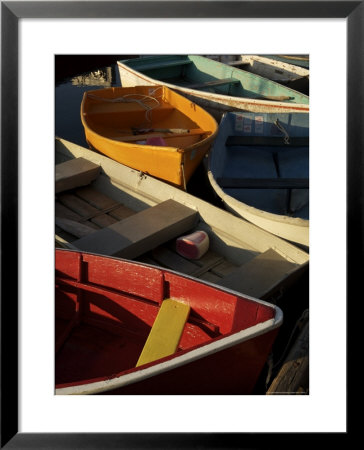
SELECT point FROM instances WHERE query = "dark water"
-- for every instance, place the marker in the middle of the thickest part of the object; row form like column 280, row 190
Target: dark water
column 68, row 97
column 69, row 89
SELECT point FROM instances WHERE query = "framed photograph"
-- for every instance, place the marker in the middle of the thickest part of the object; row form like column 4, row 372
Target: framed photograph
column 32, row 33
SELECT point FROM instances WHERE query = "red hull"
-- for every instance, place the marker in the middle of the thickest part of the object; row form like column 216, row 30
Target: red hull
column 105, row 308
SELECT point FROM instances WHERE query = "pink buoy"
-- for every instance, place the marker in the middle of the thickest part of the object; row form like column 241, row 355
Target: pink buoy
column 194, row 245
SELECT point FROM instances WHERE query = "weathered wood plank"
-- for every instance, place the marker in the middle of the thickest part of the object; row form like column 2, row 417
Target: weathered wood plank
column 76, row 228
column 66, row 213
column 85, row 210
column 293, row 375
column 104, row 203
column 211, row 277
column 122, row 212
column 166, row 331
column 173, row 261
column 224, row 268
column 257, row 275
column 95, row 198
column 208, row 261
column 74, row 173
column 141, row 232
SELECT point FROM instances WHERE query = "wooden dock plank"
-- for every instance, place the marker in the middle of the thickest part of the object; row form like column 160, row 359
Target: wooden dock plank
column 74, row 173
column 166, row 331
column 141, row 232
column 293, row 377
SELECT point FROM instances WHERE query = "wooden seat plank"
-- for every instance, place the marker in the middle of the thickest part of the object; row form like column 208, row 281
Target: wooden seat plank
column 142, row 231
column 166, row 331
column 74, row 173
column 266, row 141
column 145, row 136
column 213, row 83
column 256, row 277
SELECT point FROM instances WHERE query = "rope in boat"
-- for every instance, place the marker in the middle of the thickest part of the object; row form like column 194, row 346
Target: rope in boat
column 129, row 98
column 281, row 128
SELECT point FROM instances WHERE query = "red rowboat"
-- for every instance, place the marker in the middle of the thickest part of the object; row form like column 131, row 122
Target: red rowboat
column 124, row 327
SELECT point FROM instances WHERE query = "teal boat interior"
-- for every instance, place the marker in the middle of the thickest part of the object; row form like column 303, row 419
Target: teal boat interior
column 262, row 160
column 201, row 73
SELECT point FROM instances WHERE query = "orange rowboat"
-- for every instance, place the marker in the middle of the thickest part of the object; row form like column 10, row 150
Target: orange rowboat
column 149, row 128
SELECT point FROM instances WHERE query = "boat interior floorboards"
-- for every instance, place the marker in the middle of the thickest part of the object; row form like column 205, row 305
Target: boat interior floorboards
column 87, row 207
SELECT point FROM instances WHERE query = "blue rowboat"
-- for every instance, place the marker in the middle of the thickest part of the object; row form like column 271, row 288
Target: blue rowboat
column 259, row 167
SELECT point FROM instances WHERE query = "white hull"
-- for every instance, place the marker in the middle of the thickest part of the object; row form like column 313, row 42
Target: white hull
column 293, row 229
column 274, row 70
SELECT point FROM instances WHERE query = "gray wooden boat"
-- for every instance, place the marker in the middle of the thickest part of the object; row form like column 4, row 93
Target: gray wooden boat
column 104, row 207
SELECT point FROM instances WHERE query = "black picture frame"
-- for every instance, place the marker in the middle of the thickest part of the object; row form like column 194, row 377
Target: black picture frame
column 11, row 13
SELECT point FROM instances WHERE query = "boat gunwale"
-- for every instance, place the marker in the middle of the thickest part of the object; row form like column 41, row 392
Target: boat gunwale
column 186, row 356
